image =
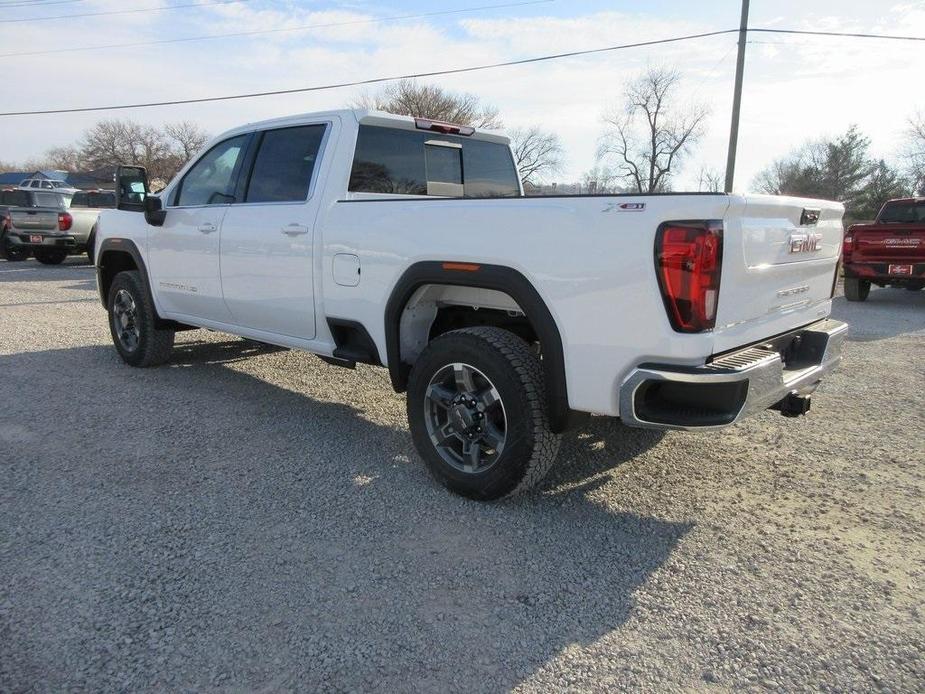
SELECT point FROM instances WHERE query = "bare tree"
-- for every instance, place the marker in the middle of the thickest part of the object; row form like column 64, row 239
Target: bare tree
column 162, row 153
column 711, row 181
column 915, row 154
column 67, row 158
column 187, row 138
column 537, row 153
column 601, row 180
column 648, row 138
column 410, row 98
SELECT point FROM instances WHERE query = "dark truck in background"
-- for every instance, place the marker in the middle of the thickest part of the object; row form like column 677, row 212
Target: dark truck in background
column 888, row 252
column 34, row 222
column 49, row 224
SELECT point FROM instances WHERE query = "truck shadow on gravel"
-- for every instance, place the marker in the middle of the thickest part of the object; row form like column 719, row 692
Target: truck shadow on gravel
column 205, row 528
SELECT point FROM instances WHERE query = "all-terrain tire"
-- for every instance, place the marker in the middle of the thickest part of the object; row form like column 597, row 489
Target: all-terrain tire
column 856, row 290
column 50, row 256
column 154, row 344
column 516, row 373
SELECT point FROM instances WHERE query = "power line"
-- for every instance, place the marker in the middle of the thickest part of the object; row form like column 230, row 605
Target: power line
column 376, row 80
column 43, row 3
column 257, row 32
column 140, row 9
column 839, row 33
column 454, row 71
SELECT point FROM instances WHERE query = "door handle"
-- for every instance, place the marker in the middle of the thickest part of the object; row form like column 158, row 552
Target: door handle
column 294, row 229
column 207, row 228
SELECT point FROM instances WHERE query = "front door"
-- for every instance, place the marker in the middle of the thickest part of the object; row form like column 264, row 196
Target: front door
column 184, row 252
column 267, row 245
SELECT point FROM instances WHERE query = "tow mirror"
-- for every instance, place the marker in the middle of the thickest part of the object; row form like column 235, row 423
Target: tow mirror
column 154, row 211
column 131, row 188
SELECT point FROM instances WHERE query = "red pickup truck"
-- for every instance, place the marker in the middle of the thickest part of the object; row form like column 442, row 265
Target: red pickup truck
column 891, row 251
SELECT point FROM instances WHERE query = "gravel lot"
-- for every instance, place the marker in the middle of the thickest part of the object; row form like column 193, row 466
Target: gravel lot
column 250, row 519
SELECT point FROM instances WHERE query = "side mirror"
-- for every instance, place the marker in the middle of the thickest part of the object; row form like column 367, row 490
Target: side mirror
column 154, row 211
column 131, row 188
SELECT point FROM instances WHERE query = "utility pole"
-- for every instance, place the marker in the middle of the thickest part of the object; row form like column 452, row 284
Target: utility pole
column 737, row 100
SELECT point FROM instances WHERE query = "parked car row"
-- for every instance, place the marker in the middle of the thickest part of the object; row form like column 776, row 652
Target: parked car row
column 49, row 224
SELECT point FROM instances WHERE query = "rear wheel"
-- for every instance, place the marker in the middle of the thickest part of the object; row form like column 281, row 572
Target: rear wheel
column 11, row 252
column 477, row 413
column 856, row 290
column 915, row 287
column 133, row 323
column 50, row 256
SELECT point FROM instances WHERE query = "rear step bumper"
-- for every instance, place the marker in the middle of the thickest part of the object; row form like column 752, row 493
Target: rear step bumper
column 779, row 373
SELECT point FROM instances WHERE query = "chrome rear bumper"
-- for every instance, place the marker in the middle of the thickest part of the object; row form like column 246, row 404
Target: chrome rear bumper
column 733, row 385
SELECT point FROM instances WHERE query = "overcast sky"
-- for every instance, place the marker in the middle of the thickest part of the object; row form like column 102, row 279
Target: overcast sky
column 795, row 88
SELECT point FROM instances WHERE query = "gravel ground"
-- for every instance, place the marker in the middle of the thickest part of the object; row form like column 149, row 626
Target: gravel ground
column 250, row 519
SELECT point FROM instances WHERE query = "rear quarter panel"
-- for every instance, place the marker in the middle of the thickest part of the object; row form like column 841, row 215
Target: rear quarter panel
column 590, row 259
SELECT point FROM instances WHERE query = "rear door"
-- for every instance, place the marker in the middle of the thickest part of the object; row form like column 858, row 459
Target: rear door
column 779, row 258
column 184, row 252
column 267, row 244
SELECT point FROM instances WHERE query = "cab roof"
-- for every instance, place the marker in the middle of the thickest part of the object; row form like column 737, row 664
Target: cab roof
column 360, row 116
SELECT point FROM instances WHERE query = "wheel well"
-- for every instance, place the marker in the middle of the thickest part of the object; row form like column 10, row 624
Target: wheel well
column 111, row 263
column 435, row 309
column 432, row 297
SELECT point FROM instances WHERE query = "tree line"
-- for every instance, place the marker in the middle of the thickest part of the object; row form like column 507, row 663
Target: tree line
column 162, row 151
column 644, row 144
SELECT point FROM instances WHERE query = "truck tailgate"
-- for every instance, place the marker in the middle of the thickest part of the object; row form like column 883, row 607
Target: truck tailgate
column 888, row 242
column 34, row 219
column 779, row 258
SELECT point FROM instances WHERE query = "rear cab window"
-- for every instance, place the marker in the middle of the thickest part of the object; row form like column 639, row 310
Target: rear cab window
column 906, row 212
column 42, row 199
column 396, row 161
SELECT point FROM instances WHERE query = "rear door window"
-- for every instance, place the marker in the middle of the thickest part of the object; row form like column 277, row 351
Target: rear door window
column 284, row 164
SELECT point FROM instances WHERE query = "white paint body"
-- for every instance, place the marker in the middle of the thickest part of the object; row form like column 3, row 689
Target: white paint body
column 591, row 261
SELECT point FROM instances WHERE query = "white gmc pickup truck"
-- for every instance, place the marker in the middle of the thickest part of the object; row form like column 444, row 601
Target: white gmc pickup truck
column 408, row 243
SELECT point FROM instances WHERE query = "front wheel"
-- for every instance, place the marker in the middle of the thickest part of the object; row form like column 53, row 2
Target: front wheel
column 856, row 290
column 477, row 413
column 133, row 322
column 50, row 256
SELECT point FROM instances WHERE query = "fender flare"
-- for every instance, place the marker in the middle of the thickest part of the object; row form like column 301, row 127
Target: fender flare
column 119, row 245
column 497, row 277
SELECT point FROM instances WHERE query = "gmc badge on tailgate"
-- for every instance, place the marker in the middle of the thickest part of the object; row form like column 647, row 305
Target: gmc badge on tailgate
column 805, row 243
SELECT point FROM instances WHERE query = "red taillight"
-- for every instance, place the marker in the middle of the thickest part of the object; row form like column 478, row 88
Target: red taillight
column 64, row 221
column 688, row 261
column 847, row 246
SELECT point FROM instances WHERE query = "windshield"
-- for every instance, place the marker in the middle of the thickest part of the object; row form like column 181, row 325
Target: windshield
column 902, row 213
